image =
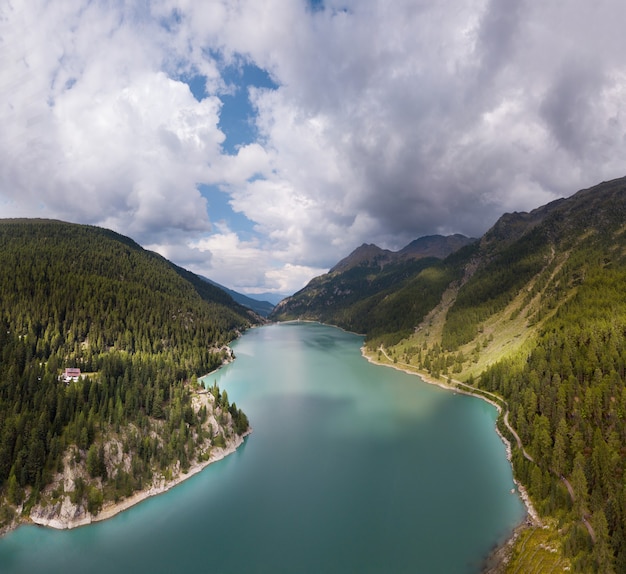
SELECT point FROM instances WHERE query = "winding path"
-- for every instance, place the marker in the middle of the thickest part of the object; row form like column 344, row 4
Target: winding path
column 585, row 517
column 520, row 445
column 501, row 405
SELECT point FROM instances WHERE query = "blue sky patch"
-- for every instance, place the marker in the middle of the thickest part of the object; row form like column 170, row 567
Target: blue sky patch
column 219, row 209
column 316, row 5
column 197, row 85
column 237, row 115
column 238, row 125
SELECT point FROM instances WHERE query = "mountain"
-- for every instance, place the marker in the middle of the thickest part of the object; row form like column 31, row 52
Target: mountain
column 367, row 255
column 371, row 255
column 539, row 318
column 534, row 313
column 263, row 308
column 271, row 297
column 357, row 293
column 101, row 345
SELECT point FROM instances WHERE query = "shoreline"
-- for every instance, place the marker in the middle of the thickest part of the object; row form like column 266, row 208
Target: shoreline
column 114, row 508
column 500, row 555
column 65, row 515
column 230, row 358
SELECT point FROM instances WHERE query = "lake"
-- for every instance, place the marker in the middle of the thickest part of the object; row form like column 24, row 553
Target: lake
column 352, row 467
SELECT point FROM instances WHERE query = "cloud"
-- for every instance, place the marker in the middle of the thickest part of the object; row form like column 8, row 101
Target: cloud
column 244, row 265
column 446, row 115
column 93, row 135
column 384, row 125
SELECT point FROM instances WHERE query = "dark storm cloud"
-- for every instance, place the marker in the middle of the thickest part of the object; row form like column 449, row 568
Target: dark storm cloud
column 569, row 107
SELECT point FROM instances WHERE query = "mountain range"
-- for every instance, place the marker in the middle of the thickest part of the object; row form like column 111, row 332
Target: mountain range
column 370, row 255
column 533, row 312
column 354, row 294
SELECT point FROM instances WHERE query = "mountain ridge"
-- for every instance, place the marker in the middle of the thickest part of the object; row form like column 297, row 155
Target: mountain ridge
column 369, row 254
column 352, row 294
column 263, row 308
column 534, row 312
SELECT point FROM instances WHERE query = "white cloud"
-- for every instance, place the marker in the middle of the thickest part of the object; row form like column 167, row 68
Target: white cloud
column 438, row 120
column 245, row 265
column 112, row 140
column 387, row 124
column 290, row 278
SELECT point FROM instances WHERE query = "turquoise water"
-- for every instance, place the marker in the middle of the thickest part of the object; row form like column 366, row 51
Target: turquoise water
column 351, row 467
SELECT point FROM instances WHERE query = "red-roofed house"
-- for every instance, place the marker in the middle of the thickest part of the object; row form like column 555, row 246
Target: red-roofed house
column 71, row 374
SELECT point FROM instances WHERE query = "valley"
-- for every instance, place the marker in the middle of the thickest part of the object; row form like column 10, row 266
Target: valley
column 534, row 312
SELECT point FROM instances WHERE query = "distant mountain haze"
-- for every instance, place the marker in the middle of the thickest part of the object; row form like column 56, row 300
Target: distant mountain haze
column 258, row 305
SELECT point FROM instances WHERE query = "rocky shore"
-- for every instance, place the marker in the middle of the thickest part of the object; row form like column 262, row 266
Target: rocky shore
column 65, row 515
column 59, row 507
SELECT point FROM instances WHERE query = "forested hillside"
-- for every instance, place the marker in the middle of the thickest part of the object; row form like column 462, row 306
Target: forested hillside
column 377, row 291
column 140, row 329
column 540, row 319
column 536, row 312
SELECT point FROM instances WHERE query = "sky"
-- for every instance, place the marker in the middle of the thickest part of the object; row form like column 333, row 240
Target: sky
column 257, row 143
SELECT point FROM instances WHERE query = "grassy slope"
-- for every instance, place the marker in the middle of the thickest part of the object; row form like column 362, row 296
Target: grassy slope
column 502, row 335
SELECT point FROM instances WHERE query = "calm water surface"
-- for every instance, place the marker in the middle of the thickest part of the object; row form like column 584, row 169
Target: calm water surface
column 351, row 467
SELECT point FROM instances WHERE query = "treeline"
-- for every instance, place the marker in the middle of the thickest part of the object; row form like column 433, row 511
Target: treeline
column 77, row 296
column 567, row 400
column 493, row 287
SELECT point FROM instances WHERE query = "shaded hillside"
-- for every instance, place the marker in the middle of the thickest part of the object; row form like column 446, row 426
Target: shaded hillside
column 367, row 255
column 140, row 329
column 376, row 291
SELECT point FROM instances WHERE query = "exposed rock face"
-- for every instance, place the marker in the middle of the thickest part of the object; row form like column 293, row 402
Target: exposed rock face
column 56, row 508
column 435, row 246
column 367, row 254
column 63, row 514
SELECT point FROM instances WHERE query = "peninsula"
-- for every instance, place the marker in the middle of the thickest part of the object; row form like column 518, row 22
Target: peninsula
column 61, row 507
column 102, row 346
